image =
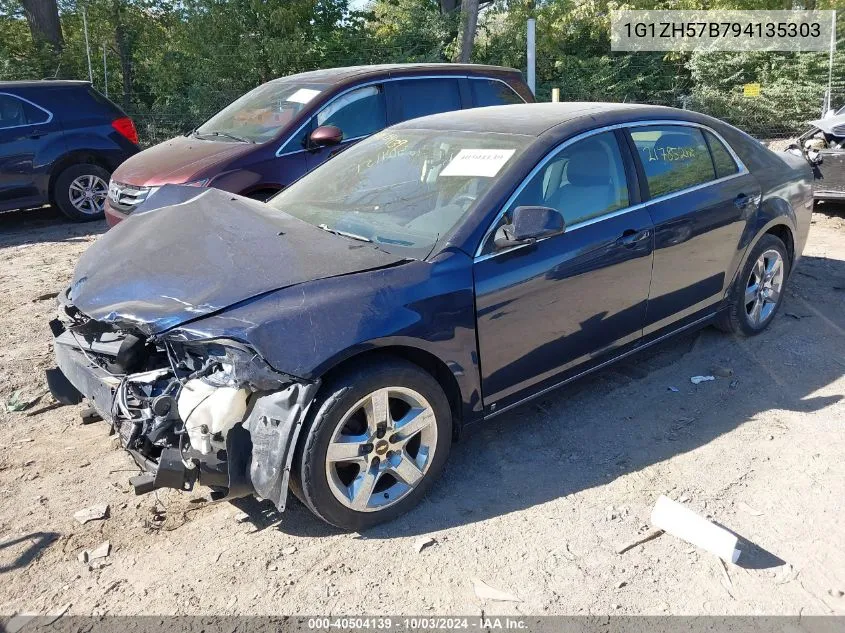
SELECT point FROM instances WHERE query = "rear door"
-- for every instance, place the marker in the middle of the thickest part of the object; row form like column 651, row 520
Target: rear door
column 24, row 127
column 548, row 310
column 701, row 198
column 358, row 113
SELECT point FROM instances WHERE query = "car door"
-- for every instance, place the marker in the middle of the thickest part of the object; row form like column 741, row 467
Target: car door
column 549, row 310
column 24, row 126
column 701, row 198
column 358, row 113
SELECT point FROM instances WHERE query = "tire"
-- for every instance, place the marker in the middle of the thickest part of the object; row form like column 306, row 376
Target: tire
column 740, row 315
column 73, row 184
column 346, row 409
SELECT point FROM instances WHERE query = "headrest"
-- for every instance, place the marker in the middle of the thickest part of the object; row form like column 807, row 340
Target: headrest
column 589, row 167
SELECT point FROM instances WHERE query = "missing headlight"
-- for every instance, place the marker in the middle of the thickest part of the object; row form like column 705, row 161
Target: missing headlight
column 226, row 363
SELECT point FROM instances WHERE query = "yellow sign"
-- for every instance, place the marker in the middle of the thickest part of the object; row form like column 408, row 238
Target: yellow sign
column 751, row 90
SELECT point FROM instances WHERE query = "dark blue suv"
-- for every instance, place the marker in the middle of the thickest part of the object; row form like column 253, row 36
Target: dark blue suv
column 59, row 143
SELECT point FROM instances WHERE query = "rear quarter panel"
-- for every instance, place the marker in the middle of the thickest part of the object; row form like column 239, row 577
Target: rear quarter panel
column 786, row 182
column 88, row 133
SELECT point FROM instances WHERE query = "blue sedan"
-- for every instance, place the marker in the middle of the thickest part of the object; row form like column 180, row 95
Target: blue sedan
column 334, row 340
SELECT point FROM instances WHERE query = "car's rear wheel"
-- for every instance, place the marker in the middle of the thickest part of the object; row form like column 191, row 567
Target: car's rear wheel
column 80, row 192
column 376, row 440
column 758, row 292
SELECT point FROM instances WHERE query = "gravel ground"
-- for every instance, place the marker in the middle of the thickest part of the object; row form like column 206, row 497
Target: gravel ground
column 535, row 504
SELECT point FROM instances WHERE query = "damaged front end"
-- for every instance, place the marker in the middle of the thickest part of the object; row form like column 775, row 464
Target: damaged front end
column 188, row 411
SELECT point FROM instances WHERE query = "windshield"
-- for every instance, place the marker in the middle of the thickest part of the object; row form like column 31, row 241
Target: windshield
column 259, row 115
column 401, row 189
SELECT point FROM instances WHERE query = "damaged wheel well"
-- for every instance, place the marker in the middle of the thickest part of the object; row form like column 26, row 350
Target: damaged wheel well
column 425, row 360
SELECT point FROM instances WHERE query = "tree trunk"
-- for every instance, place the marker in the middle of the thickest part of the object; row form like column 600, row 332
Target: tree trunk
column 469, row 10
column 448, row 6
column 43, row 19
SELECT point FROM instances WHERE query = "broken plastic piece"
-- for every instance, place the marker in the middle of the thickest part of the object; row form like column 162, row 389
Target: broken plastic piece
column 99, row 511
column 699, row 379
column 486, row 592
column 679, row 521
column 90, row 415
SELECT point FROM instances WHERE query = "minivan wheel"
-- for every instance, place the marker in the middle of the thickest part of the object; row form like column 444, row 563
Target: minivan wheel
column 758, row 293
column 80, row 192
column 376, row 440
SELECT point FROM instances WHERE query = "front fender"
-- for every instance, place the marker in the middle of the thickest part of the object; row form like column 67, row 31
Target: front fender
column 307, row 329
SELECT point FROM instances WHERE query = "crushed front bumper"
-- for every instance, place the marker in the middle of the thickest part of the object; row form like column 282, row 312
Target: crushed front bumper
column 258, row 451
column 77, row 377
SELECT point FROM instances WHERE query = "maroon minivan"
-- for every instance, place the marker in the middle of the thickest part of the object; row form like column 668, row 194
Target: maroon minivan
column 279, row 131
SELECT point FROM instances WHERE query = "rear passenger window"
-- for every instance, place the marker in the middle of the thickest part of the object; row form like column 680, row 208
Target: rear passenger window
column 489, row 92
column 722, row 159
column 15, row 112
column 34, row 114
column 674, row 157
column 421, row 97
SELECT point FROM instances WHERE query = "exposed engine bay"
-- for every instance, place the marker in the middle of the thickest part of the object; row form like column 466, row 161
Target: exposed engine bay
column 212, row 411
column 826, row 134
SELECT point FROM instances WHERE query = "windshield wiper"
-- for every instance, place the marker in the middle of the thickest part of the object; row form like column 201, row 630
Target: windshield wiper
column 353, row 236
column 239, row 139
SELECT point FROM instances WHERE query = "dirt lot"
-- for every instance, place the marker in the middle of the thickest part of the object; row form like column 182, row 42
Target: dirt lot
column 535, row 504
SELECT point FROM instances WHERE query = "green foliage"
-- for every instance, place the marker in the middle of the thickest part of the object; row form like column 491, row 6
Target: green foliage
column 172, row 63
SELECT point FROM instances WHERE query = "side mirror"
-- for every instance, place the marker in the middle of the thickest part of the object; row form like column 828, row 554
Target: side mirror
column 528, row 225
column 325, row 135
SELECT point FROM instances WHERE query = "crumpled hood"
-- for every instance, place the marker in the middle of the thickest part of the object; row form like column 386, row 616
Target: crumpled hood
column 205, row 251
column 180, row 159
column 834, row 125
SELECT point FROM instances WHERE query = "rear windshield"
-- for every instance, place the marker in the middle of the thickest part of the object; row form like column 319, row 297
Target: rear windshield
column 260, row 114
column 402, row 189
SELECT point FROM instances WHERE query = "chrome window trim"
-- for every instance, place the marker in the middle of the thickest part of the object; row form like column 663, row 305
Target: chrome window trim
column 18, row 97
column 373, row 82
column 741, row 170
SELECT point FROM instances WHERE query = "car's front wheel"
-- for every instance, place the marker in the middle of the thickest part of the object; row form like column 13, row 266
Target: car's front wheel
column 378, row 436
column 758, row 292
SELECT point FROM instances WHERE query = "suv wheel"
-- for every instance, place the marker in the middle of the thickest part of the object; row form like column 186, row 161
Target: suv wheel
column 80, row 192
column 758, row 292
column 378, row 438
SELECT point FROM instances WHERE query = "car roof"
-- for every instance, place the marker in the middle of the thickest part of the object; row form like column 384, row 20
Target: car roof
column 337, row 75
column 37, row 83
column 535, row 119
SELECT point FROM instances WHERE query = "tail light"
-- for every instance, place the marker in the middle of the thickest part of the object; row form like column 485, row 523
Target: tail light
column 126, row 128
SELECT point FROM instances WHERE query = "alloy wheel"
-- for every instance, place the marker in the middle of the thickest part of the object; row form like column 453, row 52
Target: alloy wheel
column 762, row 292
column 88, row 194
column 381, row 449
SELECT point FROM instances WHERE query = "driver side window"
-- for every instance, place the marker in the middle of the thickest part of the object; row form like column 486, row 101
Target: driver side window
column 358, row 113
column 585, row 180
